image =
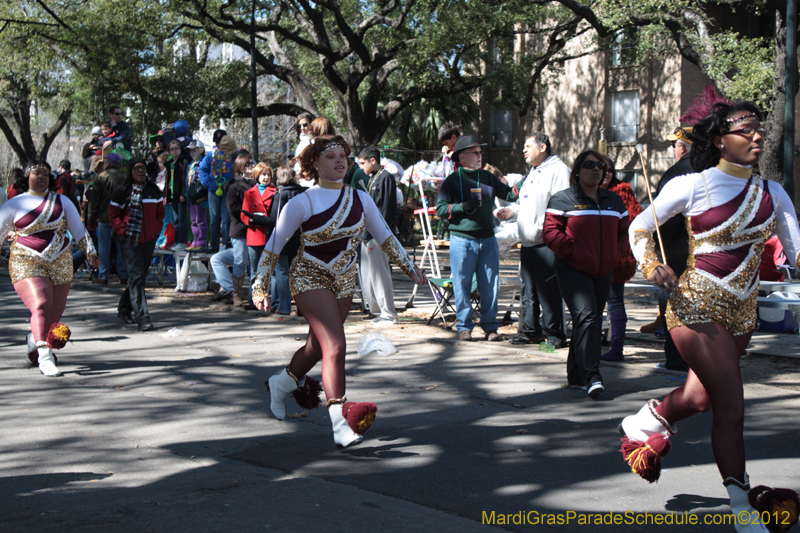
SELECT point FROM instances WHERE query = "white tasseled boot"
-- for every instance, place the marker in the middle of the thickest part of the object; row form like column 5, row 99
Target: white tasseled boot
column 343, row 436
column 646, row 423
column 47, row 363
column 740, row 506
column 279, row 387
column 32, row 355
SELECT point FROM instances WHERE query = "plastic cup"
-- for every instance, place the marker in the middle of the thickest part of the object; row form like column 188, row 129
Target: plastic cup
column 476, row 193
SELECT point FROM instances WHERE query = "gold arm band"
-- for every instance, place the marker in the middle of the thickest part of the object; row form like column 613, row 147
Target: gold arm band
column 397, row 255
column 265, row 268
column 87, row 246
column 651, row 261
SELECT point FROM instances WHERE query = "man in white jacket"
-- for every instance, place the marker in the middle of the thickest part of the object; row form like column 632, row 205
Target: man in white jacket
column 548, row 176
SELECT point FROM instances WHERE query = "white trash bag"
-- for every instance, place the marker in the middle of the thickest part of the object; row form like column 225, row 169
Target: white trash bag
column 197, row 283
column 375, row 342
column 174, row 332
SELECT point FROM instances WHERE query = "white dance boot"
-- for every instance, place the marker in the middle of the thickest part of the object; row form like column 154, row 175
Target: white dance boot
column 343, row 435
column 279, row 387
column 645, row 441
column 740, row 506
column 47, row 362
column 780, row 508
column 33, row 354
column 646, row 423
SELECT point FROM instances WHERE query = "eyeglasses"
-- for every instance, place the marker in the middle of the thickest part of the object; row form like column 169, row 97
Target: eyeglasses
column 748, row 132
column 139, row 168
column 593, row 164
column 117, row 113
column 303, row 126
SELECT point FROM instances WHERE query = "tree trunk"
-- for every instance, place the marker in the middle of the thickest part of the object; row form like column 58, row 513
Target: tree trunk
column 25, row 151
column 49, row 137
column 771, row 163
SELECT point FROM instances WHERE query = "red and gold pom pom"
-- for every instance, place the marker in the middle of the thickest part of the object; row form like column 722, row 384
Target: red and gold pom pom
column 781, row 505
column 58, row 336
column 307, row 396
column 359, row 416
column 644, row 458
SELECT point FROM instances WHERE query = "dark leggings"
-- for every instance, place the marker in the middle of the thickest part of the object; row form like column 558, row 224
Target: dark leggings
column 585, row 297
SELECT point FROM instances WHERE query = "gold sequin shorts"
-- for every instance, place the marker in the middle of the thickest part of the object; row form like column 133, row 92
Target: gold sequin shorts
column 21, row 266
column 305, row 275
column 697, row 300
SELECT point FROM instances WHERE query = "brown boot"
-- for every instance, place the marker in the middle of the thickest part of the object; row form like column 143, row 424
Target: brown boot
column 652, row 326
column 237, row 290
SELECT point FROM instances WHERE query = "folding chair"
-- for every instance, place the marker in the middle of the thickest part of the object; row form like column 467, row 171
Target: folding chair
column 442, row 290
column 428, row 237
column 162, row 266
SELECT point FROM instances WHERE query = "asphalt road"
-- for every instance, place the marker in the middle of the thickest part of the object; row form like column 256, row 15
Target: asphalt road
column 147, row 433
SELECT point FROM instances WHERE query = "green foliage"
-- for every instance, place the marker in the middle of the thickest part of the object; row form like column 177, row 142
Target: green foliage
column 744, row 69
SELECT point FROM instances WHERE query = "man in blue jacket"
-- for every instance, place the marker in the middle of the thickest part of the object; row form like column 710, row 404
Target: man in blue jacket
column 121, row 129
column 215, row 169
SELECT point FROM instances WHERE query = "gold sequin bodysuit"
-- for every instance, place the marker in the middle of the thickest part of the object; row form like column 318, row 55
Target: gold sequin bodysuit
column 725, row 243
column 328, row 248
column 41, row 246
column 329, row 241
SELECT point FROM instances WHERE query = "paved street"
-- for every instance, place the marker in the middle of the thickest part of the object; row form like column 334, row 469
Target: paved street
column 148, row 433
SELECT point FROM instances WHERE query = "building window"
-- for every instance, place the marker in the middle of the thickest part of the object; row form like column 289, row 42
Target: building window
column 502, row 134
column 623, row 49
column 631, row 177
column 625, row 116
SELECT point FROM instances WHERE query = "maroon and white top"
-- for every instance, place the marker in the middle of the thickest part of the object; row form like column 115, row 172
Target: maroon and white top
column 331, row 221
column 41, row 223
column 730, row 215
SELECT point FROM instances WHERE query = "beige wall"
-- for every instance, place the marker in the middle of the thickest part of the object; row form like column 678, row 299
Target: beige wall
column 578, row 102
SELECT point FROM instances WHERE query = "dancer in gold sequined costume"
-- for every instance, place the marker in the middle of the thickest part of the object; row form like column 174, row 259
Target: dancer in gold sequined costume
column 332, row 218
column 40, row 263
column 711, row 315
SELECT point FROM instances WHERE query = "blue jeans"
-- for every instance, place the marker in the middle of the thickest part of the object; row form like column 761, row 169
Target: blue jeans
column 281, row 295
column 478, row 257
column 104, row 242
column 179, row 218
column 218, row 219
column 616, row 298
column 236, row 256
column 254, row 254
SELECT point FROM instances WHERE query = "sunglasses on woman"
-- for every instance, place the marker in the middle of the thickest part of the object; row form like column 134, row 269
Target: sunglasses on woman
column 593, row 164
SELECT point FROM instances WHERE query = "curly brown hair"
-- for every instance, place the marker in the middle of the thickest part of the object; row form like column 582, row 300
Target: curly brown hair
column 311, row 152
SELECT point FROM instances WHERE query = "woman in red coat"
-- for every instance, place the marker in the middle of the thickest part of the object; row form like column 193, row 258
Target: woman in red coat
column 625, row 270
column 255, row 207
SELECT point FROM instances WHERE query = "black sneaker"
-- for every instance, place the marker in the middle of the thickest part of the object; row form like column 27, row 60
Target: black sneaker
column 222, row 295
column 596, row 389
column 536, row 338
column 125, row 318
column 556, row 343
